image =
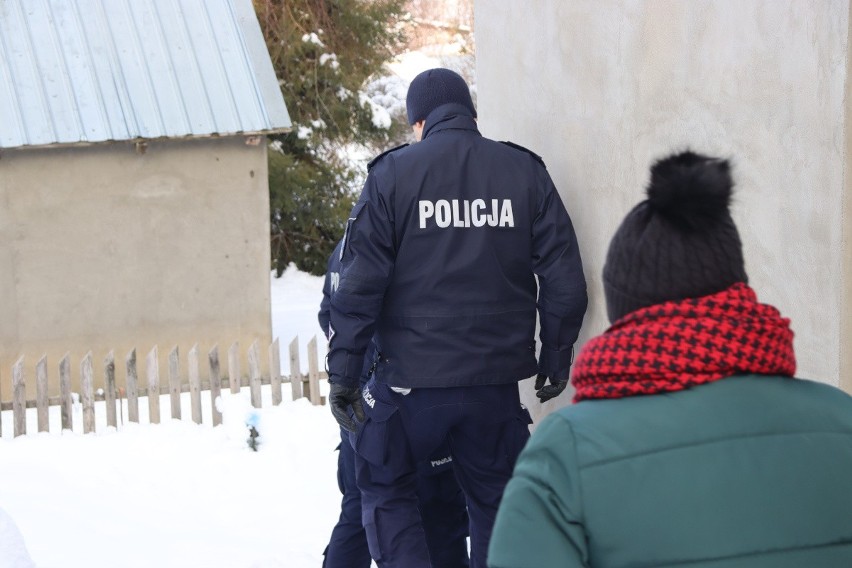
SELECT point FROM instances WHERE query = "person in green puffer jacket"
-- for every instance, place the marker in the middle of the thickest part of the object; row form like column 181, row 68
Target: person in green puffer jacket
column 690, row 443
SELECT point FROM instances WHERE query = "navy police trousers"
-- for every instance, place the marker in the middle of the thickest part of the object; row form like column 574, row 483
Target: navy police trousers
column 442, row 507
column 485, row 428
column 348, row 544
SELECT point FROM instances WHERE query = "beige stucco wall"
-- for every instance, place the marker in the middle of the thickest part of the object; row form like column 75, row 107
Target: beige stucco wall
column 845, row 380
column 103, row 247
column 600, row 88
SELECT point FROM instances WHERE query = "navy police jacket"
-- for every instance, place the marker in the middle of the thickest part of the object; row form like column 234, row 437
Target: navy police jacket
column 439, row 264
column 329, row 287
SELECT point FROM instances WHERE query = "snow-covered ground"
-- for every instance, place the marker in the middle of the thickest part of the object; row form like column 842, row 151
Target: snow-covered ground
column 179, row 495
column 295, row 299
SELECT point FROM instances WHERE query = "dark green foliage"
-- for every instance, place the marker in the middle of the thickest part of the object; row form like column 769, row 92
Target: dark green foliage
column 324, row 53
column 309, row 206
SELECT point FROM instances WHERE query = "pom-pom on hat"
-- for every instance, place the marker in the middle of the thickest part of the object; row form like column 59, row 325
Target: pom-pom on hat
column 433, row 88
column 679, row 243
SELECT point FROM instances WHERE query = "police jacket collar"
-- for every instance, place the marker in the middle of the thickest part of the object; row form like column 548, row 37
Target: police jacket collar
column 447, row 117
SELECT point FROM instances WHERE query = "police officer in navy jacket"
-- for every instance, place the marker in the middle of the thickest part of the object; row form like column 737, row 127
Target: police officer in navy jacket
column 438, row 265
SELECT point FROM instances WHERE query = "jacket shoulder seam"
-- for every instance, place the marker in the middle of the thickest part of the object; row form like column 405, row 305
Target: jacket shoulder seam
column 378, row 158
column 709, row 441
column 538, row 158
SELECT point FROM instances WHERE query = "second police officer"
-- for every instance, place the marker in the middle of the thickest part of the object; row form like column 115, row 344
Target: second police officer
column 438, row 265
column 441, row 502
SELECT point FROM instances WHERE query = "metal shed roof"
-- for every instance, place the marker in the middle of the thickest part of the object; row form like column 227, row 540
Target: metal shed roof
column 84, row 71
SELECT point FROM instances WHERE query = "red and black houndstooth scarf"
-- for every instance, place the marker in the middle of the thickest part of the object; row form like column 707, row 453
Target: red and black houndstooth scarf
column 675, row 345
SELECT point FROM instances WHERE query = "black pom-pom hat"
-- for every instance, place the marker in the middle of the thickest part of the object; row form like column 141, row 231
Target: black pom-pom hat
column 679, row 243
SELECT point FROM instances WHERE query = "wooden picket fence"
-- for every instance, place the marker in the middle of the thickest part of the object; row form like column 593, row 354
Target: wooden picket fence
column 177, row 383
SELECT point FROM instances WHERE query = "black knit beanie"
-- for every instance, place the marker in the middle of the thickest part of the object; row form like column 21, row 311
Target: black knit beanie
column 679, row 243
column 433, row 88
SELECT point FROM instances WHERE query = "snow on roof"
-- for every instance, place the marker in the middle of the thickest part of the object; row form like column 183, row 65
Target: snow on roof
column 85, row 71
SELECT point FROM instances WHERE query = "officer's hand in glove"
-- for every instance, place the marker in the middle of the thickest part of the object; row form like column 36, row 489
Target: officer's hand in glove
column 553, row 364
column 341, row 398
column 545, row 393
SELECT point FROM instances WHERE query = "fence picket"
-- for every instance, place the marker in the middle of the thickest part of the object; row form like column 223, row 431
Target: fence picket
column 153, row 364
column 194, row 384
column 295, row 369
column 234, row 367
column 275, row 372
column 42, row 401
column 66, row 402
column 132, row 385
column 302, row 385
column 215, row 383
column 109, row 389
column 87, row 394
column 174, row 382
column 254, row 374
column 313, row 372
column 19, row 398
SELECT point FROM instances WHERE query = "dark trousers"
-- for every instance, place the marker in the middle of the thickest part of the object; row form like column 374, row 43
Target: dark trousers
column 347, row 547
column 441, row 503
column 485, row 428
column 444, row 512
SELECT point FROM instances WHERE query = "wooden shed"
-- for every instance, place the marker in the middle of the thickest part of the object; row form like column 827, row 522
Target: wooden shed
column 134, row 206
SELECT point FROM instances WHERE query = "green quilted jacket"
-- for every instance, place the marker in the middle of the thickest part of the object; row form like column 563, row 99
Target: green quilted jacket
column 749, row 471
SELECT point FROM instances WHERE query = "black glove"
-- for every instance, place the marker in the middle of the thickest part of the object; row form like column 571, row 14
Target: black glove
column 340, row 399
column 553, row 363
column 554, row 389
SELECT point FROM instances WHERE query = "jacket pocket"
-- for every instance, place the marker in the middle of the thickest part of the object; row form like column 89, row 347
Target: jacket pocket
column 516, row 433
column 370, row 439
column 352, row 217
column 368, row 519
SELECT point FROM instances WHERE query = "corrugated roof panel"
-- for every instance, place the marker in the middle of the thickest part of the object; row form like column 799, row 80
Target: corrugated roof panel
column 13, row 131
column 110, row 84
column 214, row 78
column 232, row 55
column 266, row 82
column 148, row 80
column 28, row 95
column 73, row 52
column 94, row 70
column 189, row 81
